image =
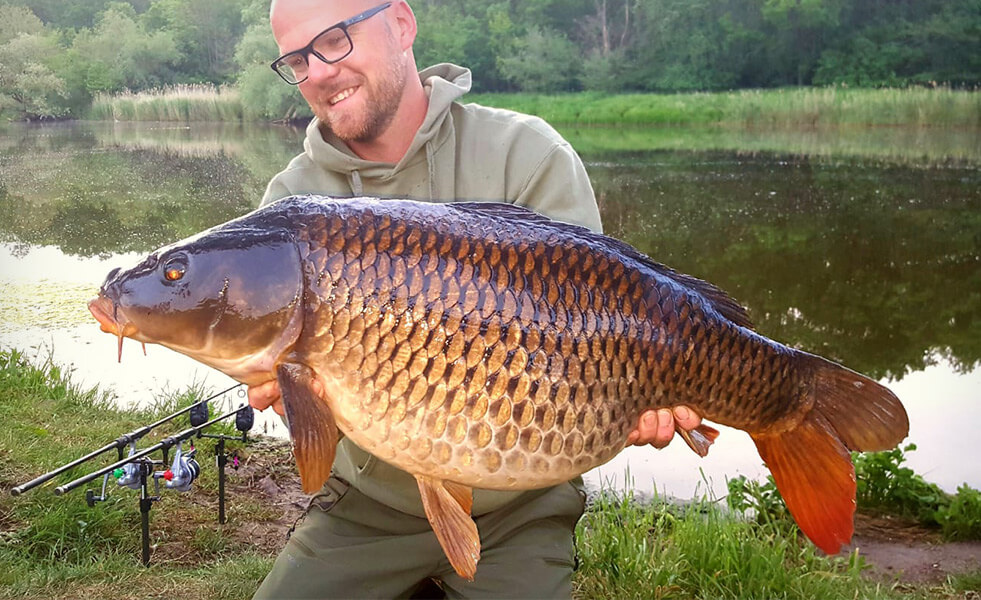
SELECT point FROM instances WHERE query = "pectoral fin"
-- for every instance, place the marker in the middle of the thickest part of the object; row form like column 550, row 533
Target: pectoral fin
column 699, row 439
column 311, row 423
column 447, row 507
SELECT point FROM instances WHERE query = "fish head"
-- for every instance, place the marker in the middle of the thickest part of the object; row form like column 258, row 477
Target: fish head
column 230, row 297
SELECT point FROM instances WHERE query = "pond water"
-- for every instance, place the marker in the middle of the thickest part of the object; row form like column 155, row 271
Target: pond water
column 864, row 247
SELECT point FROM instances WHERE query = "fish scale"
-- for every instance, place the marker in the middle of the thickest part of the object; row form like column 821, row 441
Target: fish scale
column 482, row 345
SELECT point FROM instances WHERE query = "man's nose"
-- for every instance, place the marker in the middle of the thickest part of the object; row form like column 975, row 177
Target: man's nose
column 318, row 70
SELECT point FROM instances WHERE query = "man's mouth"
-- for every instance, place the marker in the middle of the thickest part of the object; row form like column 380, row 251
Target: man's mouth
column 341, row 96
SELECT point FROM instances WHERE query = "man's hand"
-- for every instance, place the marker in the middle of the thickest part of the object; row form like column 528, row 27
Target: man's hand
column 264, row 395
column 656, row 427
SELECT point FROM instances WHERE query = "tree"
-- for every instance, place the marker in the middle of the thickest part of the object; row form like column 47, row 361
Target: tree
column 119, row 53
column 264, row 95
column 802, row 26
column 546, row 61
column 206, row 33
column 29, row 87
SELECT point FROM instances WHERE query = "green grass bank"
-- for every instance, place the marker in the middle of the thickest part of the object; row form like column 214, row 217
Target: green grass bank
column 773, row 108
column 56, row 547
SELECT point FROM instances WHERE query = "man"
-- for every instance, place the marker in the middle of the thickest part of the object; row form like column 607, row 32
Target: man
column 382, row 129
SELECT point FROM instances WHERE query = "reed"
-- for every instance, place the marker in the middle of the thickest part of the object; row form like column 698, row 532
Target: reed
column 774, row 108
column 174, row 103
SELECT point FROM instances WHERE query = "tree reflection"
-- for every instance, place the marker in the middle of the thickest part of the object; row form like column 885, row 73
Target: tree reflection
column 875, row 266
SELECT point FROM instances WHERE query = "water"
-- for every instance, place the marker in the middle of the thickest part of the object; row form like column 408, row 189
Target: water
column 869, row 258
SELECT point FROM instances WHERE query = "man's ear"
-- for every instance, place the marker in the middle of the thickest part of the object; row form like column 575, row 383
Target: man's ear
column 405, row 20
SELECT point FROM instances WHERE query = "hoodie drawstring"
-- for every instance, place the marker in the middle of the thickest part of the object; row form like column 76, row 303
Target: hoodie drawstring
column 356, row 187
column 431, row 163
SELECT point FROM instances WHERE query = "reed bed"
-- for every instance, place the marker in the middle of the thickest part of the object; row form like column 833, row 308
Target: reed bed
column 773, row 108
column 175, row 103
column 785, row 107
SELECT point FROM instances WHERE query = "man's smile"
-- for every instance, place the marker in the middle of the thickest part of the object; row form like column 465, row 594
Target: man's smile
column 341, row 96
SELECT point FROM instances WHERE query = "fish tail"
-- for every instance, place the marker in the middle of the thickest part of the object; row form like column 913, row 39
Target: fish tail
column 810, row 462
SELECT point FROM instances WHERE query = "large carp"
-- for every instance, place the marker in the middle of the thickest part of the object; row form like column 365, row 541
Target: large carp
column 483, row 345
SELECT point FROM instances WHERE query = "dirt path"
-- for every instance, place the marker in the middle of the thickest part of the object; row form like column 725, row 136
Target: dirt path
column 907, row 552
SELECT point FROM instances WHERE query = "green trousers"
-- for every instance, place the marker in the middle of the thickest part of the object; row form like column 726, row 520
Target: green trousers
column 350, row 546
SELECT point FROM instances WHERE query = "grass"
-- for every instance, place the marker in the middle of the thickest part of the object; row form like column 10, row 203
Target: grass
column 57, row 548
column 774, row 108
column 700, row 550
column 60, row 548
column 176, row 103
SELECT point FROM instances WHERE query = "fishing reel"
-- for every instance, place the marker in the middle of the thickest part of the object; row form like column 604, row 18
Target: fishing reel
column 128, row 475
column 182, row 472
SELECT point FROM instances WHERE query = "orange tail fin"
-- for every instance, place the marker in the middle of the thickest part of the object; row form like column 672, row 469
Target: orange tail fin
column 811, row 464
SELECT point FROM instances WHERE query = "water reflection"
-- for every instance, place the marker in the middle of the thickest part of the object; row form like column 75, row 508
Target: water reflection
column 873, row 262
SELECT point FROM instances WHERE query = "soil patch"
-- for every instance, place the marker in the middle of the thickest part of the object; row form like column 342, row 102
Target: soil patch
column 905, row 551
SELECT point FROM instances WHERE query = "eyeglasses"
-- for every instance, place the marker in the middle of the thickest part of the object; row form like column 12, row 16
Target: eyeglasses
column 330, row 45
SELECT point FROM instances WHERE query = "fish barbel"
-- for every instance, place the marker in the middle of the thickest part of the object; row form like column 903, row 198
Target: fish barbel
column 483, row 345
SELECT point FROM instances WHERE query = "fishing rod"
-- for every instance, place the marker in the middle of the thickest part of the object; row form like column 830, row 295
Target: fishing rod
column 137, row 469
column 119, row 444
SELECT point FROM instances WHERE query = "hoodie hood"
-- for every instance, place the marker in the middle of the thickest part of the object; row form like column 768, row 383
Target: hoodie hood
column 443, row 83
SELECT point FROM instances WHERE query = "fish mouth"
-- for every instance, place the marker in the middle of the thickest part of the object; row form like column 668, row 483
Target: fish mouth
column 111, row 320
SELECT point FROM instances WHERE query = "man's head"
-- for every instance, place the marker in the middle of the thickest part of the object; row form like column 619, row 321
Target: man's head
column 359, row 96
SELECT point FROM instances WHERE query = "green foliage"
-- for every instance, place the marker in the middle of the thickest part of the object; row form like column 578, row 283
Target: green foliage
column 264, row 96
column 29, row 86
column 761, row 500
column 545, row 61
column 883, row 484
column 961, row 519
column 205, row 33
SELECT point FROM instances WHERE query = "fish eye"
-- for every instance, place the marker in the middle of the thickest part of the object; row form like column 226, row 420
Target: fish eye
column 174, row 269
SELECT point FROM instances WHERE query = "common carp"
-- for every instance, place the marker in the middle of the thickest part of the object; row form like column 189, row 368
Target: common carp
column 483, row 345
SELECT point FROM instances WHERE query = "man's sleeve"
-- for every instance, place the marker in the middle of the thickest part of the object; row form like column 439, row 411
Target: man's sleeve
column 560, row 189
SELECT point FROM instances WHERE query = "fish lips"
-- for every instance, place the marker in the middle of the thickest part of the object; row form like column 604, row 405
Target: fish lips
column 112, row 320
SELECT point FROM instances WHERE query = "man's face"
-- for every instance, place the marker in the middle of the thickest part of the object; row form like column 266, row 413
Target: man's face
column 357, row 98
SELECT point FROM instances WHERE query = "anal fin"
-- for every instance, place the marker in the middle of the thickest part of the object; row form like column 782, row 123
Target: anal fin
column 311, row 423
column 447, row 506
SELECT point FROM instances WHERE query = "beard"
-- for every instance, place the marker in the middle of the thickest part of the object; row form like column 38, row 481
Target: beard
column 380, row 96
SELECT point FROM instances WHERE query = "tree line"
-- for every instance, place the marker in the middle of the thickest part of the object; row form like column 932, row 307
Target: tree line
column 55, row 56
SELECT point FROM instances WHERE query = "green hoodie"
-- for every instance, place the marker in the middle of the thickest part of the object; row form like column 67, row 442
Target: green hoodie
column 462, row 152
